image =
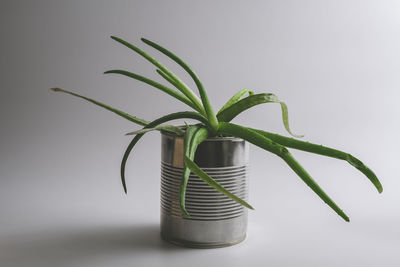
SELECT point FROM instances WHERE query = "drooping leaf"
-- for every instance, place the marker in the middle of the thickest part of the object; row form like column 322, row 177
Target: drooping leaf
column 235, row 109
column 162, row 128
column 155, row 84
column 325, row 151
column 285, row 118
column 204, row 98
column 235, row 98
column 116, row 111
column 166, row 118
column 210, row 181
column 279, row 150
column 190, row 132
column 194, row 136
column 125, row 158
column 182, row 86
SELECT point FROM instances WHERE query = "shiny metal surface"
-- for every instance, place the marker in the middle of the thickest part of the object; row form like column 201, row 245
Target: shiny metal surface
column 216, row 220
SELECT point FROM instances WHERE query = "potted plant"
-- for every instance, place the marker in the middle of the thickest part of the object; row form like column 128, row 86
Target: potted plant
column 209, row 209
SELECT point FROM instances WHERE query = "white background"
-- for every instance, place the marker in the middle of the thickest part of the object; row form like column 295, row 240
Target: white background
column 335, row 63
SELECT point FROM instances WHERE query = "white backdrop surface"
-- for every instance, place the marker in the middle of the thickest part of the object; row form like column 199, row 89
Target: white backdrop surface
column 335, row 63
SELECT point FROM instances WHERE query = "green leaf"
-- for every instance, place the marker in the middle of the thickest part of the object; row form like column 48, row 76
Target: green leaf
column 125, row 158
column 204, row 98
column 279, row 150
column 169, row 117
column 325, row 151
column 155, row 84
column 285, row 118
column 182, row 86
column 167, row 78
column 193, row 137
column 116, row 111
column 211, row 182
column 174, row 83
column 235, row 98
column 190, row 131
column 162, row 128
column 235, row 109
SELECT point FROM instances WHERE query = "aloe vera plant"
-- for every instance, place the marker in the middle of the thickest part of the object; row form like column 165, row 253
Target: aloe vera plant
column 211, row 124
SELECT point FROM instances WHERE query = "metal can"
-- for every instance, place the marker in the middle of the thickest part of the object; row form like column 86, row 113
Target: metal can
column 215, row 219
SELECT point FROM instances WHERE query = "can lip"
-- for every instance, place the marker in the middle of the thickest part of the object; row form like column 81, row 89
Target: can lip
column 215, row 138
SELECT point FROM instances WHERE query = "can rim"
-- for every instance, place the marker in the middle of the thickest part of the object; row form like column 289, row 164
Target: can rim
column 215, row 138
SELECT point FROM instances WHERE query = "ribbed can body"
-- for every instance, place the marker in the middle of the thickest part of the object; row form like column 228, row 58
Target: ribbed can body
column 215, row 220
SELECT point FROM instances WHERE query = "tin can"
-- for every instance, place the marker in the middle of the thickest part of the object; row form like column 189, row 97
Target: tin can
column 215, row 219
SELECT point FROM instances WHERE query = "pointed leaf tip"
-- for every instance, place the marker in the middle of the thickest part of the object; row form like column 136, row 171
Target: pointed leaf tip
column 185, row 213
column 124, row 185
column 146, row 41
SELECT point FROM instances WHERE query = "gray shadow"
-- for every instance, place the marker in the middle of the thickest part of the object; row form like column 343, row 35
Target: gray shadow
column 73, row 246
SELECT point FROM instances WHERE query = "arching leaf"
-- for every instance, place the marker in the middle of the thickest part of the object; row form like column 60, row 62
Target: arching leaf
column 116, row 111
column 162, row 128
column 325, row 151
column 235, row 109
column 204, row 98
column 279, row 150
column 155, row 84
column 193, row 137
column 235, row 98
column 169, row 117
column 182, row 86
